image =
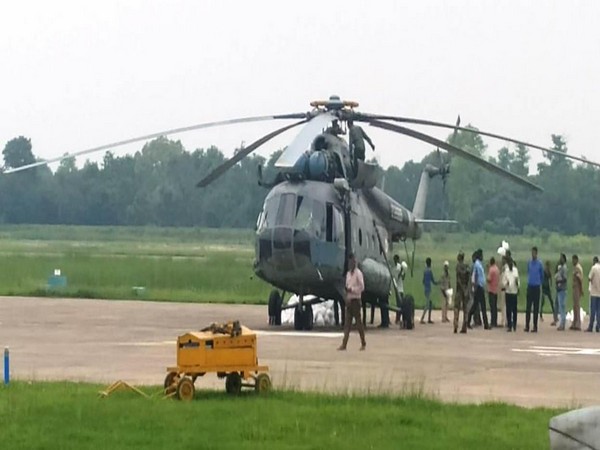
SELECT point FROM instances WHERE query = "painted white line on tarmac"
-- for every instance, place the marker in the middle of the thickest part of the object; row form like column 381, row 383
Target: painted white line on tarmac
column 558, row 351
column 324, row 334
column 146, row 344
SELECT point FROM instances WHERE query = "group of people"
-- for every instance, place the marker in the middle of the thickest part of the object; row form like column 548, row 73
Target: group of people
column 503, row 285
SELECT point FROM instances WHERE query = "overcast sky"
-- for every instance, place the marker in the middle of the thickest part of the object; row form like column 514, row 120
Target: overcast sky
column 77, row 74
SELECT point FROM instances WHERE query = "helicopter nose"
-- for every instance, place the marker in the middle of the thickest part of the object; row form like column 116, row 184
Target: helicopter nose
column 283, row 248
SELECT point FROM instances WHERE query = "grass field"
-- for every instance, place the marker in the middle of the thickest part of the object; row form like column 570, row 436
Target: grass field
column 202, row 265
column 71, row 416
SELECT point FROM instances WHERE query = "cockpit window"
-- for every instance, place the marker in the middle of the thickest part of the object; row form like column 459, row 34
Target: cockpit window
column 303, row 213
column 287, row 210
column 268, row 214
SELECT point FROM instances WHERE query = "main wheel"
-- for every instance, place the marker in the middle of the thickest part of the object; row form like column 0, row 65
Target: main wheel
column 308, row 317
column 233, row 383
column 185, row 389
column 408, row 312
column 298, row 318
column 263, row 383
column 275, row 302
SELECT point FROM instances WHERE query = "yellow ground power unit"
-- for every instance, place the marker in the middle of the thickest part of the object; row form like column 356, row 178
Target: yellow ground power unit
column 229, row 350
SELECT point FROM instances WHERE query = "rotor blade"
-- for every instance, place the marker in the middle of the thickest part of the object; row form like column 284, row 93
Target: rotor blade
column 369, row 117
column 155, row 135
column 220, row 170
column 457, row 151
column 302, row 142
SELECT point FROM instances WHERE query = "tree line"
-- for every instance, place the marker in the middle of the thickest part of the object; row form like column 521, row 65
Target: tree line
column 156, row 186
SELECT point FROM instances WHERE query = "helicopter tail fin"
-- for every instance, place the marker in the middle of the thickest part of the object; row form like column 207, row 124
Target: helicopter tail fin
column 421, row 198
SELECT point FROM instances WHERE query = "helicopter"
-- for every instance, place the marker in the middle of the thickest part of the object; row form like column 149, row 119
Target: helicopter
column 324, row 204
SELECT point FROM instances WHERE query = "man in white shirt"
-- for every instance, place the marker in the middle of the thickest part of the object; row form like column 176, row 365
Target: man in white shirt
column 594, row 278
column 355, row 286
column 398, row 273
column 511, row 283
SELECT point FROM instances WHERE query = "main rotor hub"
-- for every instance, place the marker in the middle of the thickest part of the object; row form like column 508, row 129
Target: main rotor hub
column 335, row 103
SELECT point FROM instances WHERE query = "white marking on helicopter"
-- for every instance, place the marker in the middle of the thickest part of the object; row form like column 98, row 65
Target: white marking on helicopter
column 558, row 351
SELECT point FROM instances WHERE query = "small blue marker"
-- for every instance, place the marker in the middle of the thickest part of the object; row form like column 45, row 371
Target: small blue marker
column 6, row 366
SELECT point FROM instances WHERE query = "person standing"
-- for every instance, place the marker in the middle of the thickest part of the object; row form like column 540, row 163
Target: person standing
column 428, row 280
column 493, row 280
column 577, row 293
column 357, row 138
column 594, row 277
column 355, row 286
column 511, row 285
column 461, row 295
column 445, row 285
column 535, row 275
column 399, row 272
column 478, row 287
column 561, row 291
column 547, row 292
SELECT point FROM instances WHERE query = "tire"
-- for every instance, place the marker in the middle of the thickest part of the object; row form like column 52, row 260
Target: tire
column 408, row 312
column 185, row 389
column 169, row 379
column 308, row 318
column 298, row 318
column 275, row 302
column 263, row 384
column 233, row 383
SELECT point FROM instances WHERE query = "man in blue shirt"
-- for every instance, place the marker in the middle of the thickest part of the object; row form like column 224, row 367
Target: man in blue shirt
column 478, row 287
column 427, row 282
column 535, row 277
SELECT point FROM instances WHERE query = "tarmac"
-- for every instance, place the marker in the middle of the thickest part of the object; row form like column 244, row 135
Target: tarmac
column 102, row 341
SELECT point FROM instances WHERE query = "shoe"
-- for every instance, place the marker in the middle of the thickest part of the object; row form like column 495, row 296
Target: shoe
column 430, row 321
column 363, row 347
column 526, row 330
column 597, row 330
column 469, row 327
column 553, row 324
column 455, row 330
column 487, row 328
column 515, row 329
column 341, row 348
column 383, row 326
column 560, row 328
column 576, row 328
column 463, row 331
column 509, row 330
column 422, row 321
column 588, row 330
column 534, row 330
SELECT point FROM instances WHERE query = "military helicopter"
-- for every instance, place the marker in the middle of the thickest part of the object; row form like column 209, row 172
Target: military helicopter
column 325, row 204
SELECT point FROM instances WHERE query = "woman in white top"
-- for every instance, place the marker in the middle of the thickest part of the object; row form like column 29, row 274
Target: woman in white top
column 510, row 281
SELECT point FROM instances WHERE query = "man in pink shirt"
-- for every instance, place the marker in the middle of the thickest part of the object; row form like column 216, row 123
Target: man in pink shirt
column 493, row 280
column 355, row 286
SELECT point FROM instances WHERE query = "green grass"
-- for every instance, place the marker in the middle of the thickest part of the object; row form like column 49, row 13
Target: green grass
column 70, row 416
column 204, row 265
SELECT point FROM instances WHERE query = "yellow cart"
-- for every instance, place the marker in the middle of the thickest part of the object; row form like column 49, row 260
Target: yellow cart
column 228, row 350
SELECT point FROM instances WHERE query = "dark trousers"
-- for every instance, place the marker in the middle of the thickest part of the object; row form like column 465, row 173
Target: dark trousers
column 493, row 299
column 511, row 311
column 533, row 299
column 385, row 312
column 399, row 300
column 548, row 293
column 353, row 312
column 479, row 300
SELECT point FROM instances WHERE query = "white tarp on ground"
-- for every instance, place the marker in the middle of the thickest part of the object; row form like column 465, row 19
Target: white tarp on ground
column 322, row 312
column 582, row 315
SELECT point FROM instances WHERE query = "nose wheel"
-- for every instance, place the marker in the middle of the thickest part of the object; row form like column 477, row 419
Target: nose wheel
column 275, row 303
column 303, row 317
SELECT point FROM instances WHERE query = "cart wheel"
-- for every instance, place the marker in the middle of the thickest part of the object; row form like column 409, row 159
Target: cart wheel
column 263, row 383
column 185, row 389
column 169, row 379
column 233, row 383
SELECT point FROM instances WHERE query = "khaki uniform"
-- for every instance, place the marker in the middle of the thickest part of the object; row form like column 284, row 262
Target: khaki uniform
column 577, row 294
column 444, row 286
column 355, row 286
column 462, row 295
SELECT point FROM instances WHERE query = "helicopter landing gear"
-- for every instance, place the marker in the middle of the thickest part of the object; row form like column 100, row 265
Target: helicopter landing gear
column 275, row 303
column 303, row 316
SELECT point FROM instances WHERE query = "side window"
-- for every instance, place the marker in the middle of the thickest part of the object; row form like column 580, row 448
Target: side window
column 338, row 226
column 329, row 222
